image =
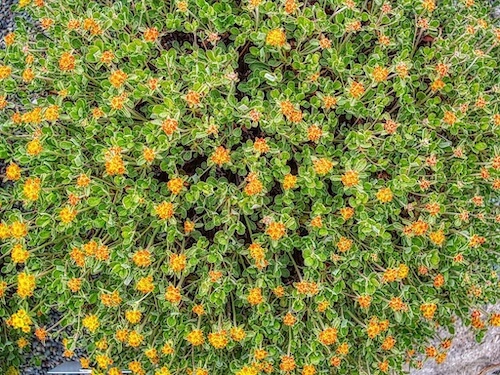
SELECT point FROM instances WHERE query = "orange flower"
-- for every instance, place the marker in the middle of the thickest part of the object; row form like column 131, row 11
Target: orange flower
column 192, row 98
column 107, row 57
column 198, row 310
column 177, row 262
column 173, row 295
column 380, row 74
column 314, row 133
column 388, row 343
column 151, row 34
column 260, row 145
column 364, row 301
column 344, row 244
column 429, row 5
column 175, row 185
column 221, row 156
column 118, row 78
column 437, row 85
column 276, row 230
column 356, row 90
column 328, row 336
column 254, row 185
column 287, row 363
column 449, row 118
column 67, row 62
column 322, row 166
column 74, row 284
column 350, row 178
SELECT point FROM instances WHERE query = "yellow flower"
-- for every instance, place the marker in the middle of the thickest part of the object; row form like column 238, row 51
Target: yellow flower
column 113, row 162
column 248, row 370
column 218, row 340
column 31, row 189
column 437, row 237
column 165, row 210
column 133, row 316
column 145, row 285
column 255, row 296
column 142, row 258
column 13, row 172
column 83, row 180
column 34, row 147
column 322, row 166
column 287, row 363
column 177, row 262
column 195, row 337
column 289, row 182
column 237, row 333
column 20, row 320
column 428, row 310
column 148, row 154
column 67, row 215
column 25, row 285
column 289, row 320
column 344, row 244
column 74, row 284
column 91, row 322
column 9, row 39
column 276, row 38
column 198, row 310
column 19, row 254
column 18, row 229
column 28, row 75
column 173, row 295
column 5, row 71
column 384, row 195
column 134, row 339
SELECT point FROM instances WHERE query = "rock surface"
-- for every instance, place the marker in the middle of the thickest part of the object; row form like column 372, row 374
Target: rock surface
column 466, row 356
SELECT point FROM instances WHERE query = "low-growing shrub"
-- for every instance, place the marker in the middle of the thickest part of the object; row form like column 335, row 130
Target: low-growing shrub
column 214, row 187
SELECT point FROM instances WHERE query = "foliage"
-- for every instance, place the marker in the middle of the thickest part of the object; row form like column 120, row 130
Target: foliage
column 249, row 187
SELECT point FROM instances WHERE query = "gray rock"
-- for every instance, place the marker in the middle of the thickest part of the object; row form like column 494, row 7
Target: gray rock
column 466, row 356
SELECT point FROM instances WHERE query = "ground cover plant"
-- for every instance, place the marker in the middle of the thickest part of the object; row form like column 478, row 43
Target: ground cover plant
column 211, row 187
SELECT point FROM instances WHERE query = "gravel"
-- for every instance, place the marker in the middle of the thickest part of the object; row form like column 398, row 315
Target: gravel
column 48, row 354
column 7, row 22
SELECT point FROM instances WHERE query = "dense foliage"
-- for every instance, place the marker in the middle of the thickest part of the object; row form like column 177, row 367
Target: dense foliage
column 213, row 187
